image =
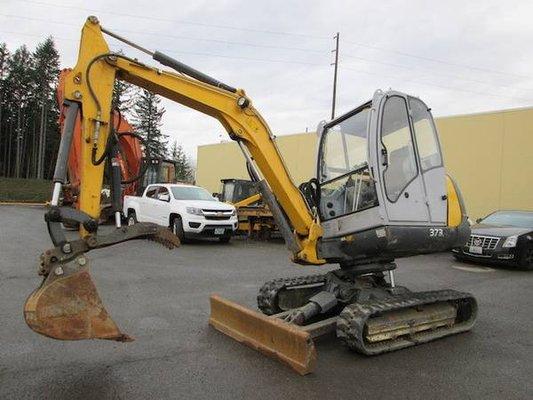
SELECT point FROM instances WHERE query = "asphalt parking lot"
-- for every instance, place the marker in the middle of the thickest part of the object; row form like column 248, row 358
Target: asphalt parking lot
column 161, row 298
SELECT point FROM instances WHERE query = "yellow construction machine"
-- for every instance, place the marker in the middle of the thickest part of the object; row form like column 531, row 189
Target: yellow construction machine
column 380, row 193
column 255, row 219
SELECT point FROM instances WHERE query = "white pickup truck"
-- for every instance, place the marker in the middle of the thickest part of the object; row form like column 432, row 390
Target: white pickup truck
column 190, row 211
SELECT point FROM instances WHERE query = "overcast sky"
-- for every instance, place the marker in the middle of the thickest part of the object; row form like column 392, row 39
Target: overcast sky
column 458, row 56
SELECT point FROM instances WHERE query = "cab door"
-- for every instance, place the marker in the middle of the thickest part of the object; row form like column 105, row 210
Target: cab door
column 161, row 207
column 430, row 160
column 400, row 179
column 147, row 205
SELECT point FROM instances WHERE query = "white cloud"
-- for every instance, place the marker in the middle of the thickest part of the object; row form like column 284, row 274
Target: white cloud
column 378, row 42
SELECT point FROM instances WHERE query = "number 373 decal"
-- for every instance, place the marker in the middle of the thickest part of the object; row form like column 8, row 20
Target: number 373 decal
column 436, row 232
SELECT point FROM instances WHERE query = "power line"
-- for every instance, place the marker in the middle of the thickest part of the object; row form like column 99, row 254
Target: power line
column 226, row 42
column 402, row 53
column 176, row 21
column 406, row 54
column 443, row 74
column 195, row 53
column 453, row 89
column 256, row 45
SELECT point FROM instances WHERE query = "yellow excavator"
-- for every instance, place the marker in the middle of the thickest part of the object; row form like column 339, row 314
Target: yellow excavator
column 380, row 193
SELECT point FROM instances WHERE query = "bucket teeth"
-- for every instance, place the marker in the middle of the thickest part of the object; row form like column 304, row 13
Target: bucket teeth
column 165, row 237
column 67, row 306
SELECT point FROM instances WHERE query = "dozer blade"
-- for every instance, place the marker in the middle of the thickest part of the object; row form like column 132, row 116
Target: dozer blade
column 271, row 336
column 67, row 306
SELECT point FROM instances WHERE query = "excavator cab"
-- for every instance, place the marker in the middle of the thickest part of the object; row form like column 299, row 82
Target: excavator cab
column 381, row 175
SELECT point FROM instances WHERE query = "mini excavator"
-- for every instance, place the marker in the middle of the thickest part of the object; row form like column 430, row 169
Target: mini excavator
column 380, row 193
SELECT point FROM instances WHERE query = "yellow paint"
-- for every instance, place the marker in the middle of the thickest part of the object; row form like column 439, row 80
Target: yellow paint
column 488, row 155
column 225, row 160
column 102, row 78
column 247, row 201
column 244, row 124
column 454, row 206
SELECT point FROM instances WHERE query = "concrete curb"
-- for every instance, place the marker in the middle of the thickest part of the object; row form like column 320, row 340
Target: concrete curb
column 13, row 203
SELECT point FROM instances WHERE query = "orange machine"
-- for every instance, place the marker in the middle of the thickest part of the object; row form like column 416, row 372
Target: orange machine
column 130, row 158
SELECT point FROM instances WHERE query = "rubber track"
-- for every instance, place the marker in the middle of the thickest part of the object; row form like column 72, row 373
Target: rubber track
column 268, row 294
column 352, row 320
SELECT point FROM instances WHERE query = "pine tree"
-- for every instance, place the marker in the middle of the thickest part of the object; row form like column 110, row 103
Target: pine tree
column 20, row 88
column 184, row 172
column 123, row 97
column 46, row 138
column 4, row 61
column 147, row 115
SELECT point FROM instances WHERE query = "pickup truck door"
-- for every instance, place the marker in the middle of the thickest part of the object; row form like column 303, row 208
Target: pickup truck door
column 161, row 207
column 147, row 204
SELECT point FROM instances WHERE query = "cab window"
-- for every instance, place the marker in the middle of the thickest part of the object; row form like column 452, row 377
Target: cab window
column 163, row 194
column 345, row 182
column 344, row 146
column 151, row 192
column 401, row 166
column 426, row 135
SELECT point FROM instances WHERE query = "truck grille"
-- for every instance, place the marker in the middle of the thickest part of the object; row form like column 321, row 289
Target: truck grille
column 217, row 215
column 217, row 218
column 486, row 242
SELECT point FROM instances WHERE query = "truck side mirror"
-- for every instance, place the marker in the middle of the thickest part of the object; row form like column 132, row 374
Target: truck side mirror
column 164, row 197
column 217, row 196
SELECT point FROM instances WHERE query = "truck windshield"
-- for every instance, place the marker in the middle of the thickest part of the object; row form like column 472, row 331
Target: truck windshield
column 191, row 193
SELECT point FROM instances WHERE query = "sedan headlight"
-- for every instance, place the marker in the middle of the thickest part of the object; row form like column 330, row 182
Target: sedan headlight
column 510, row 241
column 194, row 211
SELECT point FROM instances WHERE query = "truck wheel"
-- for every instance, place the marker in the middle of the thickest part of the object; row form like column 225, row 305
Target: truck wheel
column 177, row 228
column 224, row 239
column 132, row 218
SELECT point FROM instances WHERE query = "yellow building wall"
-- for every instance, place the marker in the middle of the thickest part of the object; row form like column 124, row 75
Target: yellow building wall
column 225, row 160
column 490, row 155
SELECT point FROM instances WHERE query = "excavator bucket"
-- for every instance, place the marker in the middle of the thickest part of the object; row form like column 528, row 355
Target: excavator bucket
column 67, row 306
column 269, row 335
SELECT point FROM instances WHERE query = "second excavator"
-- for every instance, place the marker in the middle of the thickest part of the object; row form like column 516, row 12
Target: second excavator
column 380, row 193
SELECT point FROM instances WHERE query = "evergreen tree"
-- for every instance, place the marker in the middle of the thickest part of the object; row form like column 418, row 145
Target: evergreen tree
column 184, row 172
column 46, row 138
column 123, row 97
column 29, row 134
column 20, row 88
column 147, row 115
column 4, row 121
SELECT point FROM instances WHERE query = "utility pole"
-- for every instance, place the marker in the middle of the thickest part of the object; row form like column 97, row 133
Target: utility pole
column 336, row 64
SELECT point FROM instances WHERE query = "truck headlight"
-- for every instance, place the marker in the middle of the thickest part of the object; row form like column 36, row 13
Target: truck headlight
column 194, row 211
column 234, row 212
column 510, row 241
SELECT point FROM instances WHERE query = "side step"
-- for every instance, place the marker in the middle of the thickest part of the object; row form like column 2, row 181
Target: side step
column 271, row 336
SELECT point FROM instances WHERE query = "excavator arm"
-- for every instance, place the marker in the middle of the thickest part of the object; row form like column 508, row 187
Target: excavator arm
column 91, row 87
column 67, row 305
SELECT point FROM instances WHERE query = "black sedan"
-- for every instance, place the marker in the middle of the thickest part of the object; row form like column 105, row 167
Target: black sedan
column 503, row 237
